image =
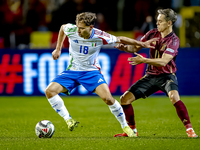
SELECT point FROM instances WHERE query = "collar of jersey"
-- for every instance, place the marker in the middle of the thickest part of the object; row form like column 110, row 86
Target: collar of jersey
column 91, row 36
column 169, row 34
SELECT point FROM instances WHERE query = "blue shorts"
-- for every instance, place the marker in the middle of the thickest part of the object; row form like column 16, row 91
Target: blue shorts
column 71, row 79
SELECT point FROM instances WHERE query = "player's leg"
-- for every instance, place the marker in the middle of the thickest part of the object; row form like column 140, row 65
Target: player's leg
column 55, row 100
column 114, row 106
column 94, row 81
column 169, row 85
column 141, row 89
column 104, row 93
column 182, row 112
column 52, row 91
column 126, row 99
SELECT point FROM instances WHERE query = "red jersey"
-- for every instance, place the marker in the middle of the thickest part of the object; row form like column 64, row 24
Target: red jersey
column 168, row 45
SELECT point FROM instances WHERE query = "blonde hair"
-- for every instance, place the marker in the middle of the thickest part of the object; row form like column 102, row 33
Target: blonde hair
column 87, row 17
column 170, row 15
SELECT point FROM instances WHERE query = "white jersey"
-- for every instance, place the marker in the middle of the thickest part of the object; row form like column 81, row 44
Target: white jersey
column 84, row 52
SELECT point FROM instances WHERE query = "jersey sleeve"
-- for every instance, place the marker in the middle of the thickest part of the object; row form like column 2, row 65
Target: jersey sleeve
column 106, row 37
column 70, row 29
column 109, row 38
column 172, row 47
column 148, row 35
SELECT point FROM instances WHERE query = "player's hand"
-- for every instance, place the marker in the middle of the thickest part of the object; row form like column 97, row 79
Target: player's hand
column 56, row 54
column 149, row 43
column 136, row 60
column 121, row 47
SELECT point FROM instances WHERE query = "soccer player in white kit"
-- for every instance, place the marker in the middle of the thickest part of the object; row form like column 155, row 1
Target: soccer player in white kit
column 84, row 69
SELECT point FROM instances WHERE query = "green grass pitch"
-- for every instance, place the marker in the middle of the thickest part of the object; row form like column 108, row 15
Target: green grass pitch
column 157, row 123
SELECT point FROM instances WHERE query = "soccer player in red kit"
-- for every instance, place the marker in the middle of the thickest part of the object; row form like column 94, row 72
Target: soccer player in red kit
column 160, row 73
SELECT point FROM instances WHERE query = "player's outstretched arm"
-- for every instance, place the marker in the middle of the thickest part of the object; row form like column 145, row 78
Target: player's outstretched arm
column 159, row 62
column 128, row 48
column 61, row 36
column 147, row 44
column 129, row 41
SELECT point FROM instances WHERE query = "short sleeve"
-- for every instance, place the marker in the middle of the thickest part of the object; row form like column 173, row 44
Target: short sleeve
column 70, row 29
column 106, row 37
column 150, row 34
column 172, row 47
column 109, row 38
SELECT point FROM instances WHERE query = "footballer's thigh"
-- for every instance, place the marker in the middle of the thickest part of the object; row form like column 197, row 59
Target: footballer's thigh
column 104, row 93
column 171, row 87
column 53, row 89
column 127, row 98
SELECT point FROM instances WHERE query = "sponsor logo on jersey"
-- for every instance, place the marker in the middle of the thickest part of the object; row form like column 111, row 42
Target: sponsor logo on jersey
column 76, row 41
column 170, row 50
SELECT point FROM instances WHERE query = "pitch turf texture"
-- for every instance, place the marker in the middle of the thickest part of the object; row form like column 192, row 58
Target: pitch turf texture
column 157, row 123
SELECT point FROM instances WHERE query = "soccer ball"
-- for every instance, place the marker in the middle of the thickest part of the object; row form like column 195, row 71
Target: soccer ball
column 45, row 129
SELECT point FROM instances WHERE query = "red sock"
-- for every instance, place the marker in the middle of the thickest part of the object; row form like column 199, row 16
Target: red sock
column 183, row 114
column 129, row 113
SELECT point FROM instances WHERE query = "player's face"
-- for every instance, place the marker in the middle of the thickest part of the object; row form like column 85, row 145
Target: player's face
column 162, row 24
column 83, row 30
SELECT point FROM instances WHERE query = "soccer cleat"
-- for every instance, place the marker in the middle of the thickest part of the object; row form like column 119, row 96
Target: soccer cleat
column 190, row 132
column 121, row 135
column 72, row 124
column 125, row 135
column 129, row 132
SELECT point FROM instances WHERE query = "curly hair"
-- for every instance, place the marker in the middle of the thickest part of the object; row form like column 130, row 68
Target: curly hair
column 87, row 17
column 170, row 15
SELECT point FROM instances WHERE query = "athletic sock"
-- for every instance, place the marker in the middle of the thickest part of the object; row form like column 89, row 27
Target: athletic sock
column 129, row 113
column 183, row 114
column 118, row 112
column 58, row 105
column 135, row 130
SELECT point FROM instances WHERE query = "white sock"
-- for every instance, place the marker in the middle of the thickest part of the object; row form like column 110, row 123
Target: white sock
column 135, row 130
column 189, row 129
column 117, row 110
column 58, row 105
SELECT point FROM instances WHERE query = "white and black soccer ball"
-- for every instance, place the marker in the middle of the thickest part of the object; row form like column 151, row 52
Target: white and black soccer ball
column 44, row 129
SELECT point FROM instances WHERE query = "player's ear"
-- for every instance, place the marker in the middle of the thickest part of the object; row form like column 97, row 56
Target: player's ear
column 91, row 27
column 169, row 23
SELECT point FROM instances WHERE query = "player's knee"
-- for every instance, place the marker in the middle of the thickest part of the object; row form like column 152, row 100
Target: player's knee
column 124, row 100
column 109, row 100
column 127, row 98
column 173, row 97
column 49, row 92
